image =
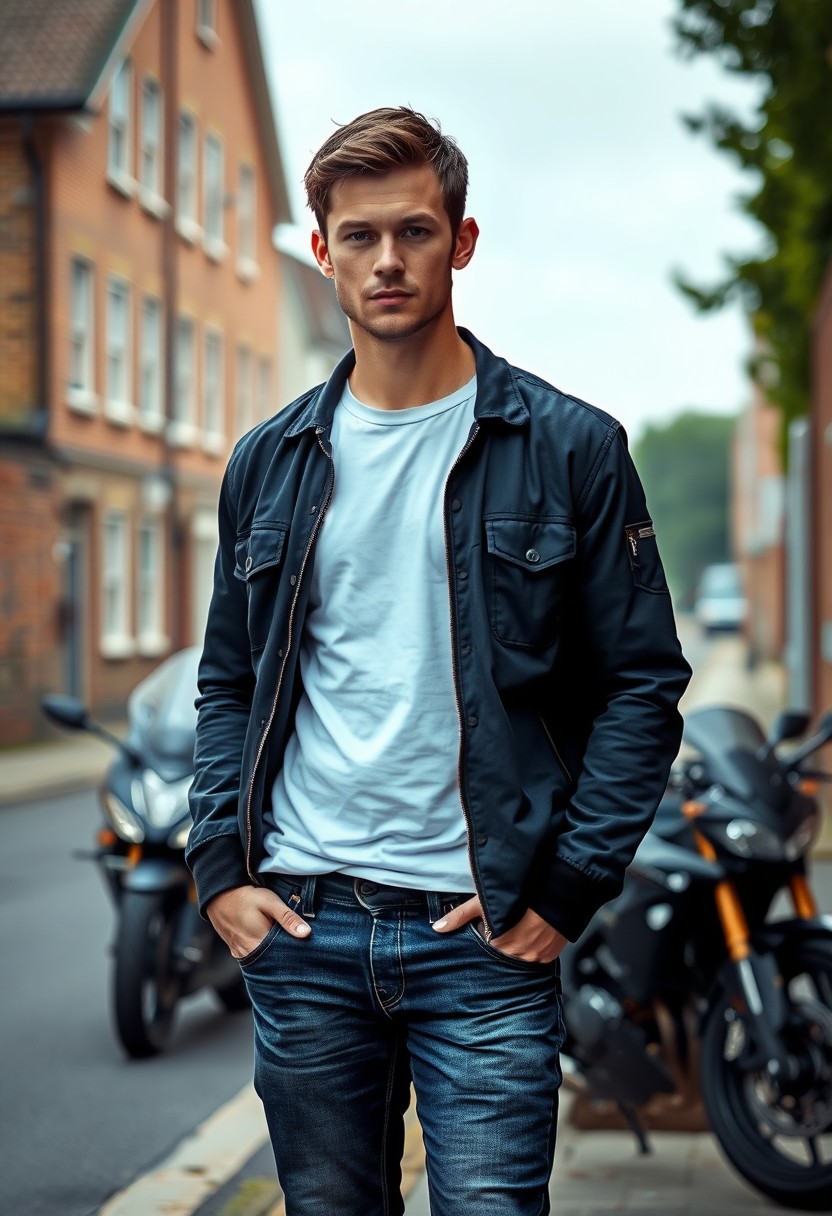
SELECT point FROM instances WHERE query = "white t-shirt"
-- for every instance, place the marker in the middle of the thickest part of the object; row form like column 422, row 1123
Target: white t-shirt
column 369, row 782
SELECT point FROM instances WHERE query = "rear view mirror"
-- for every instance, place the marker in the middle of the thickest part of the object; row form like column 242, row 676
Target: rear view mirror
column 790, row 724
column 68, row 712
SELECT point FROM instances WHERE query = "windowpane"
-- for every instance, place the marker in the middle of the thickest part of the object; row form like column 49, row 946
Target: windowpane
column 150, row 373
column 246, row 213
column 114, row 575
column 151, row 152
column 118, row 341
column 80, row 359
column 214, row 188
column 184, row 400
column 244, row 390
column 119, row 125
column 186, row 199
column 151, row 571
column 213, row 407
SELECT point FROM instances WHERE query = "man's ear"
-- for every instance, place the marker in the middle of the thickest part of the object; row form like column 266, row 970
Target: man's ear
column 322, row 253
column 465, row 244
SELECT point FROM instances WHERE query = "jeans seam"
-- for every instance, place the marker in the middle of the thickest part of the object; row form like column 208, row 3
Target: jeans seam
column 373, row 971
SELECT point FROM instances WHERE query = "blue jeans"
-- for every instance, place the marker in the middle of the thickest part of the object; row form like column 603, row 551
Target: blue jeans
column 344, row 1019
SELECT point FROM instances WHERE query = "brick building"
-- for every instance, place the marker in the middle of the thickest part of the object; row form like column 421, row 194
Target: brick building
column 140, row 317
column 822, row 502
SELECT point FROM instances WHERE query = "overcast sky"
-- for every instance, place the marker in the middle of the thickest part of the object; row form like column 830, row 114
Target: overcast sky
column 586, row 187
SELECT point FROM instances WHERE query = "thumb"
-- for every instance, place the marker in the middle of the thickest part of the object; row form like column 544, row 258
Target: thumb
column 291, row 922
column 459, row 916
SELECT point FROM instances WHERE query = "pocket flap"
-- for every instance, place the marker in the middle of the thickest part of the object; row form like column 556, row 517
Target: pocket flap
column 533, row 544
column 263, row 547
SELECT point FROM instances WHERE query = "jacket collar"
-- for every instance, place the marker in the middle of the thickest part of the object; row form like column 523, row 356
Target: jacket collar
column 497, row 395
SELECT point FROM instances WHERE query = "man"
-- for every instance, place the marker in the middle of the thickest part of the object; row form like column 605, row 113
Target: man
column 437, row 711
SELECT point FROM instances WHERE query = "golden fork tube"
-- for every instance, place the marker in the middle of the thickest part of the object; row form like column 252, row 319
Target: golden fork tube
column 731, row 914
column 803, row 898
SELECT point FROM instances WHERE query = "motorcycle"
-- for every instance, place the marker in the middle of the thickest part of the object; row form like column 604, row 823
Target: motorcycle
column 163, row 950
column 692, row 984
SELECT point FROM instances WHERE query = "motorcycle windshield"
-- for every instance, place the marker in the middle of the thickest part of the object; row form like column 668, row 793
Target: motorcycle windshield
column 734, row 750
column 161, row 708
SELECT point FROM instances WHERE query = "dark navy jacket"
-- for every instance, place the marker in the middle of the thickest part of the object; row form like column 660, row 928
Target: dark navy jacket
column 567, row 668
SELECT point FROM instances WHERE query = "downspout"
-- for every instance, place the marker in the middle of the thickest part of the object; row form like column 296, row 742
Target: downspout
column 170, row 274
column 40, row 417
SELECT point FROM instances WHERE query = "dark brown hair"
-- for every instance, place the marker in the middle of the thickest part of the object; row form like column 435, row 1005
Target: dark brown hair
column 380, row 141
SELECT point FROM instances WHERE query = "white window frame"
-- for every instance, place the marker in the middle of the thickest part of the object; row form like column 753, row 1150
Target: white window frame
column 244, row 389
column 247, row 268
column 151, row 365
column 206, row 23
column 118, row 404
column 151, row 149
column 213, row 391
column 150, row 586
column 187, row 178
column 80, row 391
column 213, row 213
column 182, row 431
column 120, row 127
column 116, row 641
column 263, row 390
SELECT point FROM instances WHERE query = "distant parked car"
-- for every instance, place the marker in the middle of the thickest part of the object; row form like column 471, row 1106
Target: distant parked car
column 720, row 603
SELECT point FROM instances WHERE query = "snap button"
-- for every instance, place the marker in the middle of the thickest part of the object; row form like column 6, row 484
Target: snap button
column 248, row 563
column 368, row 888
column 472, row 719
column 456, row 505
column 532, row 555
column 466, row 647
column 482, row 839
column 463, row 574
column 293, row 579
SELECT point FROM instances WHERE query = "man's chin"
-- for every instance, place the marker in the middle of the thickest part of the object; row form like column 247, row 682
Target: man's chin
column 395, row 329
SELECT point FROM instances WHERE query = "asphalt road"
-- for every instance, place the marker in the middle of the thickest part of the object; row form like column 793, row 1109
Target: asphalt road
column 77, row 1119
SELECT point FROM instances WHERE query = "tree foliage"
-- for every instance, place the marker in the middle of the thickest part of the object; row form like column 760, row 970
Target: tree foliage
column 685, row 467
column 786, row 149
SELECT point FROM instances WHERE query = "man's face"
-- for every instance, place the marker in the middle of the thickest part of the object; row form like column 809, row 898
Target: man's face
column 390, row 250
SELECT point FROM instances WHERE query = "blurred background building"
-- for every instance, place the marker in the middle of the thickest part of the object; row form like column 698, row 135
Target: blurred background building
column 147, row 320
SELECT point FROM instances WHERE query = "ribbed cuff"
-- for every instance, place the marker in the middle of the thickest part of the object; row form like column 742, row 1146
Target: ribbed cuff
column 218, row 865
column 568, row 898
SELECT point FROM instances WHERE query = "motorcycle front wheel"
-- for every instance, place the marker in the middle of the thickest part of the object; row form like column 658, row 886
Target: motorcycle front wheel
column 145, row 986
column 778, row 1138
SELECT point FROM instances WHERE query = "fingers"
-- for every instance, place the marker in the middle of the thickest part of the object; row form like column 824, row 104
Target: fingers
column 274, row 907
column 459, row 916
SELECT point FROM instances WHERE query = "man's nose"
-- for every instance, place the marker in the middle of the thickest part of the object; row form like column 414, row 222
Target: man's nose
column 388, row 258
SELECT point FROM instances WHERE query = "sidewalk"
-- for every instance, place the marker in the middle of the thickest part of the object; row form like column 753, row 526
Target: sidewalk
column 44, row 770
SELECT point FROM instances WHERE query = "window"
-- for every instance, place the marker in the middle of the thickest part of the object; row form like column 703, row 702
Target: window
column 80, row 390
column 245, row 404
column 150, row 369
column 119, row 149
column 206, row 22
column 182, row 430
column 246, row 232
column 214, row 197
column 150, row 599
column 150, row 168
column 116, row 641
column 118, row 406
column 213, row 404
column 186, row 216
column 264, row 389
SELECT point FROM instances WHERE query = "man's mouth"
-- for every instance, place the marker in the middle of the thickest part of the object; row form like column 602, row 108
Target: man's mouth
column 391, row 297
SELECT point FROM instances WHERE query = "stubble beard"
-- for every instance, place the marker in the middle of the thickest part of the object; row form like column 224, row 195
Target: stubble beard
column 381, row 333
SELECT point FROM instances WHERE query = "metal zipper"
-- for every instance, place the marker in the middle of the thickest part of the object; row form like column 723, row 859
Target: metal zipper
column 454, row 669
column 554, row 747
column 268, row 726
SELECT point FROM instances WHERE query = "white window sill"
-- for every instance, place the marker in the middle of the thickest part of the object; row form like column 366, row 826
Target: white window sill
column 181, row 434
column 120, row 413
column 117, row 646
column 153, row 424
column 247, row 270
column 153, row 203
column 213, row 443
column 189, row 229
column 152, row 645
column 122, row 182
column 215, row 248
column 82, row 400
column 208, row 37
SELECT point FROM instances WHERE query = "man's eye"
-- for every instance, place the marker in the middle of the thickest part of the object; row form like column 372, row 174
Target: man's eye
column 415, row 230
column 357, row 238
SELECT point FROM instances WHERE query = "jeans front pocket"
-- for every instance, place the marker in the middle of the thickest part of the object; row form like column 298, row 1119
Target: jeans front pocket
column 260, row 949
column 521, row 964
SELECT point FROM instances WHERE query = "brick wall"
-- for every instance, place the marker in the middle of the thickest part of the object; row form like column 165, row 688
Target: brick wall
column 17, row 280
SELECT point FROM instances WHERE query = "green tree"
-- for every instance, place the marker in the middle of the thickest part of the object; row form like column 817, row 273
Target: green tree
column 786, row 149
column 685, row 467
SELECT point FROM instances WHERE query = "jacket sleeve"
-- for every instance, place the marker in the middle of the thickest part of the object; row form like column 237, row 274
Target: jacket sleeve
column 226, row 686
column 632, row 663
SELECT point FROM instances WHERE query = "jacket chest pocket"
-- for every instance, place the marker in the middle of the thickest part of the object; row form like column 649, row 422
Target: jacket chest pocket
column 530, row 565
column 258, row 558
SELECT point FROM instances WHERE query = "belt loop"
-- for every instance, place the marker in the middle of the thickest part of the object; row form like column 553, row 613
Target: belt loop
column 310, row 884
column 434, row 905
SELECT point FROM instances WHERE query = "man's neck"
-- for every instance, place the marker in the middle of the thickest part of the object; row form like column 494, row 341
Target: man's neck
column 427, row 367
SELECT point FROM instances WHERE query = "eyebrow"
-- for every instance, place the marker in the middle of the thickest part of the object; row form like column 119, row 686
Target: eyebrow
column 407, row 221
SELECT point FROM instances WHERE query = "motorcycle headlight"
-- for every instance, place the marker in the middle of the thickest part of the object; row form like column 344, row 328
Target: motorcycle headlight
column 800, row 840
column 124, row 822
column 163, row 802
column 179, row 836
column 746, row 838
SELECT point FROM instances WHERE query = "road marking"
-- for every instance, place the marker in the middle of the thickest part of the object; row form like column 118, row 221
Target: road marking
column 200, row 1165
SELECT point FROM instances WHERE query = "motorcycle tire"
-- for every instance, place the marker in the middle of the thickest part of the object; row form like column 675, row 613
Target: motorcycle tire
column 234, row 996
column 145, row 986
column 785, row 1152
